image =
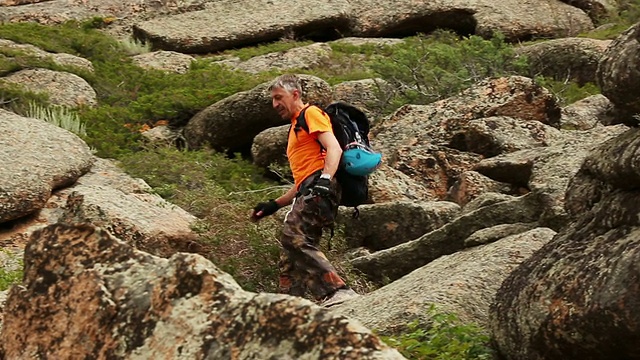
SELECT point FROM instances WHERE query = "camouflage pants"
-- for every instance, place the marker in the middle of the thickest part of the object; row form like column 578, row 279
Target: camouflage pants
column 302, row 265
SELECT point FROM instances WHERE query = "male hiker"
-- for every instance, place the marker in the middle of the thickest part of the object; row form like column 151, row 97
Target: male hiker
column 314, row 157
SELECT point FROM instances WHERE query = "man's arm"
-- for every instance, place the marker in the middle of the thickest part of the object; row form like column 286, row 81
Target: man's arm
column 267, row 208
column 287, row 198
column 334, row 152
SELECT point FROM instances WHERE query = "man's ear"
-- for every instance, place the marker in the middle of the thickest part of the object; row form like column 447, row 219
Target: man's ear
column 296, row 94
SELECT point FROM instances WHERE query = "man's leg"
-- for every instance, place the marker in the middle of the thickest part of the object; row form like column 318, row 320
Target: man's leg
column 290, row 280
column 301, row 234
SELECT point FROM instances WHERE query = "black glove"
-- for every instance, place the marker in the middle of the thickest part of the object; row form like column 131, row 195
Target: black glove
column 264, row 209
column 322, row 187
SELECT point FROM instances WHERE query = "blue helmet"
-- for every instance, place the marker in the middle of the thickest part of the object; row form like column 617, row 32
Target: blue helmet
column 360, row 160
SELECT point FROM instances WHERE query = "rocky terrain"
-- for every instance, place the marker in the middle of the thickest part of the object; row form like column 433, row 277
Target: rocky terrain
column 497, row 204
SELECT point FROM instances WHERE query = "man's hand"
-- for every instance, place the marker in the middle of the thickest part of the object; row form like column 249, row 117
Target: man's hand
column 322, row 187
column 264, row 209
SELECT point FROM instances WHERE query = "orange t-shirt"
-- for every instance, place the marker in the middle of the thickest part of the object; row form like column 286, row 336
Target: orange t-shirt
column 305, row 154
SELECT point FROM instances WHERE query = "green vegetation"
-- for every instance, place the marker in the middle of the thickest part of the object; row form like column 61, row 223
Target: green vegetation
column 447, row 338
column 425, row 69
column 60, row 116
column 628, row 14
column 568, row 92
column 134, row 47
column 130, row 97
column 8, row 278
column 220, row 191
column 263, row 49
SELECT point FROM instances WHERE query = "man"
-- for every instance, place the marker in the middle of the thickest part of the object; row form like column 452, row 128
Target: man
column 314, row 157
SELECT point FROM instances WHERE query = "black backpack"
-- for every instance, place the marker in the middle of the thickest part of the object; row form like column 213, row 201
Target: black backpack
column 349, row 125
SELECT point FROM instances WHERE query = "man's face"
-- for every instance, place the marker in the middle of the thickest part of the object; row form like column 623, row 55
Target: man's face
column 283, row 102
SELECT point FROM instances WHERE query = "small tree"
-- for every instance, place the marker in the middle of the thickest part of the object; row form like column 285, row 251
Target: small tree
column 429, row 68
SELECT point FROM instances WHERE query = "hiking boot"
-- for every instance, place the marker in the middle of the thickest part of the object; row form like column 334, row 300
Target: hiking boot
column 340, row 296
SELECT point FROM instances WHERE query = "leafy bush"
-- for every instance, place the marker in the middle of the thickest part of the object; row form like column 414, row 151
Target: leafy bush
column 429, row 68
column 567, row 92
column 446, row 339
column 72, row 37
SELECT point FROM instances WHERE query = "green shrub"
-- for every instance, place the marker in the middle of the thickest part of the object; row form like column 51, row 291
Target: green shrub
column 567, row 92
column 369, row 50
column 72, row 37
column 429, row 68
column 341, row 67
column 446, row 339
column 142, row 97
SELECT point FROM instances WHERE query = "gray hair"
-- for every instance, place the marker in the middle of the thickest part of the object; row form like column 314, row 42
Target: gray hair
column 288, row 82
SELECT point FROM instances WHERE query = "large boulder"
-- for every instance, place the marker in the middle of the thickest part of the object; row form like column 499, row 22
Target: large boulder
column 119, row 15
column 497, row 135
column 587, row 113
column 126, row 207
column 62, row 88
column 381, row 226
column 388, row 184
column 445, row 122
column 243, row 22
column 436, row 168
column 472, row 184
column 546, row 171
column 233, row 122
column 88, row 295
column 578, row 297
column 145, row 221
column 395, row 262
column 369, row 95
column 207, row 26
column 270, row 147
column 300, row 58
column 62, row 59
column 571, row 58
column 464, row 283
column 19, row 2
column 169, row 61
column 37, row 158
column 597, row 9
column 619, row 74
column 515, row 19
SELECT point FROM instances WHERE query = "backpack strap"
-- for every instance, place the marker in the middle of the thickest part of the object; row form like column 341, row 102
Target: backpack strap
column 301, row 121
column 301, row 124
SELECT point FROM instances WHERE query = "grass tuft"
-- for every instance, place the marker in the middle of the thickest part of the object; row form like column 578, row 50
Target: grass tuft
column 447, row 338
column 134, row 46
column 60, row 116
